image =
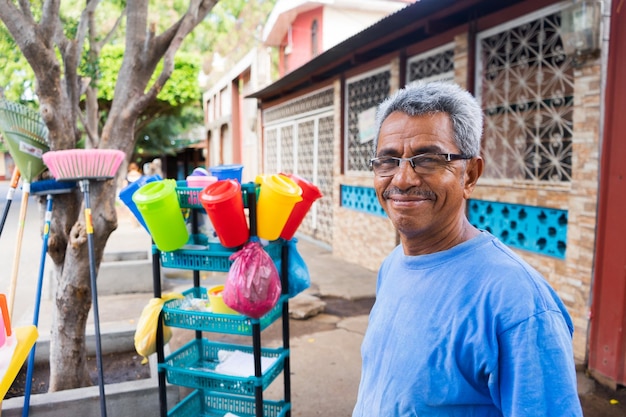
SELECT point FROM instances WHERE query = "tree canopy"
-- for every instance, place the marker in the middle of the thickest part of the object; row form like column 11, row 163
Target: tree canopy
column 229, row 31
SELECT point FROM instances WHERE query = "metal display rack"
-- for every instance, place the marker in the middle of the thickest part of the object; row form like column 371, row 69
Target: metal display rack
column 191, row 365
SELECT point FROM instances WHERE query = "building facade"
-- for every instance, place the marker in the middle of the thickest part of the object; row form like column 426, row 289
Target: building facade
column 543, row 91
column 231, row 120
column 302, row 29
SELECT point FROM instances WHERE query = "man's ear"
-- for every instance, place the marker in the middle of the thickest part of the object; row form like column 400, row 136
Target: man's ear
column 473, row 171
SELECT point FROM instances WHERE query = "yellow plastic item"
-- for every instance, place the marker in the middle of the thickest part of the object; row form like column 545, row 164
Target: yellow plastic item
column 217, row 302
column 277, row 197
column 145, row 335
column 26, row 337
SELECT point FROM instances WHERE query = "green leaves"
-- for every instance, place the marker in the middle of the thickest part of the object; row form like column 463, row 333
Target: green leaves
column 16, row 76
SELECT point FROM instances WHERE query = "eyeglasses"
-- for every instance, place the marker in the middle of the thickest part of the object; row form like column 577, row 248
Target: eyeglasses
column 425, row 163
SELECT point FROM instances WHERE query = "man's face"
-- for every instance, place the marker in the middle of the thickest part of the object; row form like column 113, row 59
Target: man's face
column 425, row 205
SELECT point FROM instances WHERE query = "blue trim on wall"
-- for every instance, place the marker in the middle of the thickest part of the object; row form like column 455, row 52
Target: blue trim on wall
column 361, row 199
column 536, row 229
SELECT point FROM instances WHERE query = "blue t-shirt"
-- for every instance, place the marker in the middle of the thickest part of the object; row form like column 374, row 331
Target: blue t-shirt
column 470, row 331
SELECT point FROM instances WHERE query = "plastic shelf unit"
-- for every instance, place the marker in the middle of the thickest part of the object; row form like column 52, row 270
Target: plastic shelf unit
column 197, row 365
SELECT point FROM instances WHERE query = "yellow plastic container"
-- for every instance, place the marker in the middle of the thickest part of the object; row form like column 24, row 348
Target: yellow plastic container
column 277, row 196
column 217, row 302
column 159, row 207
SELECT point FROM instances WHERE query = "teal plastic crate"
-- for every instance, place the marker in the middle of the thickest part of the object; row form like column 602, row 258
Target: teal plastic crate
column 214, row 257
column 193, row 366
column 213, row 404
column 175, row 315
column 189, row 197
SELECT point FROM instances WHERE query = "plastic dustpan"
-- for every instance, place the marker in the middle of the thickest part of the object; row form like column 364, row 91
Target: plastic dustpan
column 26, row 137
column 26, row 337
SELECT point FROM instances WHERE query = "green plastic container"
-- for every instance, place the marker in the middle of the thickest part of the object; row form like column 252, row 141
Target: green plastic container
column 159, row 207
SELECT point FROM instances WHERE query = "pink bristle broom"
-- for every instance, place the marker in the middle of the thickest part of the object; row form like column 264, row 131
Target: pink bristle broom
column 83, row 165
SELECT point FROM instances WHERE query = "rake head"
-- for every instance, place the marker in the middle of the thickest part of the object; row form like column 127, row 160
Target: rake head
column 22, row 120
column 26, row 136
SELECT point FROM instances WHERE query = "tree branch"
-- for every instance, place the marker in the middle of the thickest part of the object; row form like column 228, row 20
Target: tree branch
column 136, row 18
column 49, row 21
column 83, row 24
column 25, row 6
column 90, row 136
column 170, row 41
column 109, row 35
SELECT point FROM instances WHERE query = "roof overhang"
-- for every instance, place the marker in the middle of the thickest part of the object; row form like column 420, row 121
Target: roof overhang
column 419, row 21
column 286, row 11
column 281, row 17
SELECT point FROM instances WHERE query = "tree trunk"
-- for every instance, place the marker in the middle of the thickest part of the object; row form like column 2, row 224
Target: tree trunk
column 68, row 357
column 58, row 89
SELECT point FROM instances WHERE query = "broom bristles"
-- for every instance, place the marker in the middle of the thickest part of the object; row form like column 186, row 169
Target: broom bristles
column 51, row 186
column 73, row 164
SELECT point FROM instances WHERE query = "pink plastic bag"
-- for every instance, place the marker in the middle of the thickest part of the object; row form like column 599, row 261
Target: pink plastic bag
column 253, row 284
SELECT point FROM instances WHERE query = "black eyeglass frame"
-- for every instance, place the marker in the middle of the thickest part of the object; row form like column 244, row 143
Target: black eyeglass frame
column 448, row 158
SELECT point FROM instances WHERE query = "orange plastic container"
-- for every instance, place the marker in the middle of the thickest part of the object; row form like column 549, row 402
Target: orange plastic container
column 223, row 202
column 310, row 193
column 5, row 323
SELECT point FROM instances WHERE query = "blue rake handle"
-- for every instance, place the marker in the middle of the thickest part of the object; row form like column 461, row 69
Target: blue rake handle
column 31, row 357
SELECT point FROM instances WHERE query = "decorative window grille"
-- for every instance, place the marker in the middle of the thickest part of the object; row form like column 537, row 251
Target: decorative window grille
column 325, row 146
column 286, row 149
column 301, row 106
column 271, row 150
column 363, row 95
column 434, row 65
column 299, row 137
column 525, row 82
column 307, row 164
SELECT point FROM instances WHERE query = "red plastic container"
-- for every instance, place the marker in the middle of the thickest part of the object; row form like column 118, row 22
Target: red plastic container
column 310, row 193
column 223, row 203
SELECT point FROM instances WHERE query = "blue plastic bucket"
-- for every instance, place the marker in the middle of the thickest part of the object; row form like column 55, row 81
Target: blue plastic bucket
column 126, row 195
column 227, row 172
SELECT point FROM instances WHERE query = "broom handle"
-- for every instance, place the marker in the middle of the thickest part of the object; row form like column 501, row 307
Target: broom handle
column 18, row 246
column 31, row 358
column 15, row 178
column 84, row 185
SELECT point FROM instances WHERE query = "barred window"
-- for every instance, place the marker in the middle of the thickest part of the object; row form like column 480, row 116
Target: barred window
column 436, row 64
column 526, row 86
column 299, row 137
column 364, row 94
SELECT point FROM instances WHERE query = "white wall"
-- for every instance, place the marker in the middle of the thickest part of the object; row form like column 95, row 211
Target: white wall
column 340, row 24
